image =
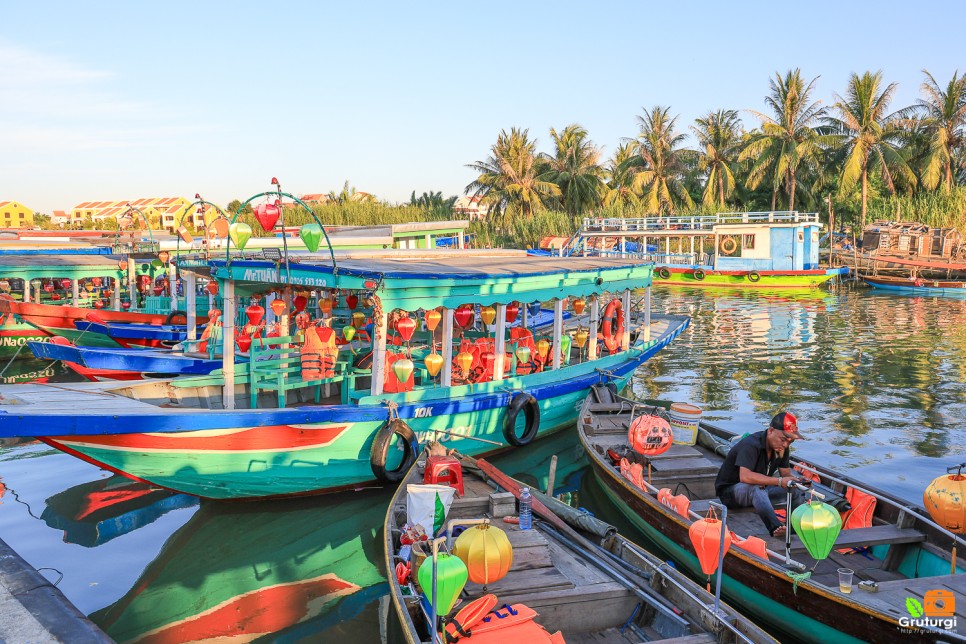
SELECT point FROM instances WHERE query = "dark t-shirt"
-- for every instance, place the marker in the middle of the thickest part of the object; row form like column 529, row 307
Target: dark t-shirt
column 751, row 452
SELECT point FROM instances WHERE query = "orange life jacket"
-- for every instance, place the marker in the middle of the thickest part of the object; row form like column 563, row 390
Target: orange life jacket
column 679, row 503
column 318, row 353
column 511, row 624
column 633, row 473
column 754, row 545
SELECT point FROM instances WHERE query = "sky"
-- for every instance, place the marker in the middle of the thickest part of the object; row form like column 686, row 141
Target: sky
column 123, row 100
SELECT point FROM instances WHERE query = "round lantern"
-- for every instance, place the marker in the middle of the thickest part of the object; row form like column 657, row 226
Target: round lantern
column 279, row 307
column 96, row 280
column 98, row 304
column 406, row 327
column 299, row 303
column 464, row 316
column 432, row 318
column 358, row 319
column 451, row 576
column 433, row 362
column 581, row 338
column 543, row 348
column 945, row 499
column 244, row 342
column 255, row 313
column 650, row 435
column 212, row 287
column 464, row 361
column 523, row 354
column 578, row 306
column 240, row 233
column 512, row 311
column 351, row 301
column 706, row 538
column 65, row 283
column 403, row 368
column 325, row 306
column 487, row 553
column 488, row 315
column 533, row 308
column 311, row 235
column 817, row 524
column 348, row 332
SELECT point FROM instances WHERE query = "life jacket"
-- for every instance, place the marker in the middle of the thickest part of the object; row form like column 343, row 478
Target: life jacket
column 392, row 384
column 633, row 472
column 754, row 545
column 810, row 475
column 207, row 336
column 863, row 507
column 523, row 338
column 679, row 502
column 511, row 624
column 318, row 353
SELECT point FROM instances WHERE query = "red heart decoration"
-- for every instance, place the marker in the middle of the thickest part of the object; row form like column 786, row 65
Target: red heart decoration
column 406, row 327
column 464, row 316
column 351, row 301
column 512, row 311
column 267, row 216
column 299, row 303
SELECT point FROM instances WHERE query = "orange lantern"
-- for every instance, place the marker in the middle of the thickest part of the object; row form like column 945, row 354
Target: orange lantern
column 488, row 315
column 543, row 348
column 279, row 307
column 212, row 287
column 578, row 306
column 433, row 362
column 486, row 551
column 122, row 264
column 163, row 256
column 706, row 537
column 581, row 338
column 944, row 499
column 244, row 342
column 432, row 318
column 325, row 306
column 650, row 435
column 464, row 359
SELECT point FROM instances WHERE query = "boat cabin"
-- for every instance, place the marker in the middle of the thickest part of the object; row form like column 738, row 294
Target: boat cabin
column 911, row 238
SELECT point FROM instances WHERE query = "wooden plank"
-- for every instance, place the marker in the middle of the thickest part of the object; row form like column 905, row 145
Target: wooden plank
column 869, row 537
column 524, row 581
column 687, row 466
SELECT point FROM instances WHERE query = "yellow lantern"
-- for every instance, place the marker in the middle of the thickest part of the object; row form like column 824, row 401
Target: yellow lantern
column 465, row 360
column 279, row 307
column 543, row 348
column 89, row 287
column 433, row 362
column 488, row 315
column 358, row 319
column 581, row 338
column 578, row 306
column 486, row 551
column 325, row 306
column 403, row 368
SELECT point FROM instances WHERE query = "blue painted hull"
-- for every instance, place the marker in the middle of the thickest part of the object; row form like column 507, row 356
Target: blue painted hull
column 163, row 333
column 126, row 360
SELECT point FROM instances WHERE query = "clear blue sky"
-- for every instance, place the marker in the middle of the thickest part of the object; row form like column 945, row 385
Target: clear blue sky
column 117, row 100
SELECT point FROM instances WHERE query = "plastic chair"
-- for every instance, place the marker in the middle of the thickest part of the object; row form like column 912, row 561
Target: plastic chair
column 444, row 470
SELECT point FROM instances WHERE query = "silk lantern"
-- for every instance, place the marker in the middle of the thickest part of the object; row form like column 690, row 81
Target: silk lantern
column 533, row 308
column 351, row 301
column 581, row 338
column 65, row 283
column 164, row 256
column 122, row 264
column 311, row 235
column 944, row 499
column 325, row 306
column 487, row 553
column 706, row 538
column 464, row 316
column 523, row 353
column 406, row 327
column 279, row 307
column 565, row 342
column 267, row 216
column 512, row 311
column 433, row 362
column 89, row 288
column 212, row 287
column 817, row 524
column 488, row 315
column 464, row 359
column 240, row 233
column 158, row 290
column 348, row 332
column 543, row 348
column 650, row 435
column 125, row 305
column 451, row 576
column 244, row 342
column 98, row 304
column 97, row 281
column 358, row 319
column 49, row 287
column 578, row 306
column 432, row 318
column 299, row 303
column 403, row 368
column 254, row 313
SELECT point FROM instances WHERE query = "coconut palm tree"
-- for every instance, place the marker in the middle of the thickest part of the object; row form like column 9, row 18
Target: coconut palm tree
column 659, row 164
column 943, row 115
column 787, row 139
column 575, row 168
column 870, row 135
column 618, row 190
column 509, row 180
column 719, row 135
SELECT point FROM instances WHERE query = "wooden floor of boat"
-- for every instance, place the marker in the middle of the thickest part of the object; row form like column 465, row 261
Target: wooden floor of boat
column 80, row 398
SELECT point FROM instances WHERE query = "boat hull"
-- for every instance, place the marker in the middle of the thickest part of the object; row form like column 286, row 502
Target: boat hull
column 766, row 279
column 927, row 287
column 120, row 364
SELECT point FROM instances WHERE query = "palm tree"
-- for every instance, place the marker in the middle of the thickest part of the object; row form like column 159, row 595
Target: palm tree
column 659, row 165
column 719, row 134
column 619, row 178
column 870, row 136
column 787, row 139
column 943, row 114
column 509, row 180
column 350, row 194
column 575, row 168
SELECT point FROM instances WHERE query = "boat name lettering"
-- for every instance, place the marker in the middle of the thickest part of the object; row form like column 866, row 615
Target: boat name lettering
column 271, row 275
column 452, row 433
column 423, row 412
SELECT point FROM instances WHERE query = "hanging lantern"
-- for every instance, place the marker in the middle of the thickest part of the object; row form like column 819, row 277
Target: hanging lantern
column 578, row 306
column 164, row 256
column 523, row 354
column 279, row 307
column 122, row 265
column 581, row 338
column 451, row 576
column 650, row 435
column 89, row 288
column 488, row 358
column 706, row 538
column 49, row 287
column 325, row 306
column 358, row 319
column 403, row 368
column 212, row 287
column 300, row 303
column 107, row 293
column 66, row 283
column 565, row 341
column 817, row 524
column 348, row 332
column 487, row 553
column 533, row 308
column 432, row 318
column 267, row 216
column 255, row 313
column 488, row 315
column 244, row 342
column 125, row 305
column 311, row 235
column 543, row 348
column 97, row 281
column 351, row 301
column 464, row 315
column 55, row 296
column 158, row 290
column 240, row 233
column 464, row 359
column 945, row 499
column 98, row 304
column 512, row 311
column 406, row 327
column 433, row 362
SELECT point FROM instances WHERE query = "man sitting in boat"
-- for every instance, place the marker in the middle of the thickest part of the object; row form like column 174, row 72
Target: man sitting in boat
column 756, row 472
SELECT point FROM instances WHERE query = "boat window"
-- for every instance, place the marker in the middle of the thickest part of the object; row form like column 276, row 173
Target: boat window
column 748, row 241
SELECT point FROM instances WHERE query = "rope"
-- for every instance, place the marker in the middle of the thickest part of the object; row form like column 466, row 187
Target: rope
column 393, row 409
column 797, row 578
column 19, row 349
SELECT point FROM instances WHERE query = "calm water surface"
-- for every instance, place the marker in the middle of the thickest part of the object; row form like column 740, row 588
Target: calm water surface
column 876, row 381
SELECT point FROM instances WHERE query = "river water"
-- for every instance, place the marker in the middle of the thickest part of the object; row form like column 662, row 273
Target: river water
column 876, row 381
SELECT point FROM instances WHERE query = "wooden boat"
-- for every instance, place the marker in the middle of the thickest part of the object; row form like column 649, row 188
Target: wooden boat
column 586, row 583
column 136, row 335
column 125, row 364
column 917, row 285
column 904, row 554
column 747, row 249
column 269, row 428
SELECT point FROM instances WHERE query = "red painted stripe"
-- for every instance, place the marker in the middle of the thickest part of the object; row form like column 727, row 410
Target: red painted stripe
column 271, row 437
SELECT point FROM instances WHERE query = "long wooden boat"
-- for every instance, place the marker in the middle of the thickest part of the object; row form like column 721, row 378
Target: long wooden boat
column 136, row 335
column 581, row 578
column 119, row 363
column 901, row 555
column 917, row 285
column 272, row 428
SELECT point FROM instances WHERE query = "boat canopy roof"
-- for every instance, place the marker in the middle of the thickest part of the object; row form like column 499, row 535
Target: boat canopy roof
column 65, row 265
column 412, row 280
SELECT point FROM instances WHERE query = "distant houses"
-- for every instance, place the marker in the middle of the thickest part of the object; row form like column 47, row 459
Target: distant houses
column 166, row 212
column 471, row 208
column 14, row 214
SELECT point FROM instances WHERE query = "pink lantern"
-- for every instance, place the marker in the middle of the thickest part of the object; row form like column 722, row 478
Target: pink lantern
column 406, row 327
column 267, row 215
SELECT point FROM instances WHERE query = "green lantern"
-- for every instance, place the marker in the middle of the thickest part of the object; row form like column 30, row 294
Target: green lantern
column 523, row 353
column 348, row 332
column 451, row 576
column 311, row 235
column 403, row 368
column 240, row 233
column 817, row 524
column 565, row 342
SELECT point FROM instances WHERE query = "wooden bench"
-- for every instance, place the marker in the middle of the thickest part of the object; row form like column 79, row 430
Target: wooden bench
column 275, row 367
column 876, row 535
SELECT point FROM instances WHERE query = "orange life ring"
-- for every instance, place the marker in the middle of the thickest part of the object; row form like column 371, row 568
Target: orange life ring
column 612, row 338
column 728, row 245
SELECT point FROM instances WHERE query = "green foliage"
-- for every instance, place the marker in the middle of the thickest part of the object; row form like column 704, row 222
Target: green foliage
column 519, row 232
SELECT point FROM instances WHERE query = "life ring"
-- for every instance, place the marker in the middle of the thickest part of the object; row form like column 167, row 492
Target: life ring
column 381, row 443
column 663, row 273
column 728, row 245
column 754, row 276
column 612, row 338
column 180, row 316
column 531, row 409
column 698, row 274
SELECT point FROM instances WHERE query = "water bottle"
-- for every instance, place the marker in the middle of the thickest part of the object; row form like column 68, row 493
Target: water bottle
column 526, row 512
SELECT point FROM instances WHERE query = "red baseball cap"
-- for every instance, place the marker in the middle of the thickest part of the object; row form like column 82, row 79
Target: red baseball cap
column 786, row 422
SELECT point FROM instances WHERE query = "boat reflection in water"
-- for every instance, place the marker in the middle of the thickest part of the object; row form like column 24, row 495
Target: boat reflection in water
column 294, row 568
column 93, row 513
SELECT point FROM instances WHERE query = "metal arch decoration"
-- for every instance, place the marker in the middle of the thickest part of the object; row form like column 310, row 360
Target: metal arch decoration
column 144, row 218
column 278, row 194
column 199, row 200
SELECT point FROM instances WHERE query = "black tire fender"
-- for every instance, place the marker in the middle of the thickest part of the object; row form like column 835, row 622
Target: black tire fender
column 176, row 314
column 381, row 443
column 698, row 274
column 663, row 273
column 754, row 276
column 531, row 409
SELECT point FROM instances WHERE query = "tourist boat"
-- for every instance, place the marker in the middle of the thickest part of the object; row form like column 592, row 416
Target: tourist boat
column 284, row 424
column 295, row 570
column 103, row 363
column 571, row 575
column 747, row 249
column 916, row 285
column 898, row 553
column 135, row 335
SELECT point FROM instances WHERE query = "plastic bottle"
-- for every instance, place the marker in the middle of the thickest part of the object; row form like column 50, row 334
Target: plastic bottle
column 526, row 512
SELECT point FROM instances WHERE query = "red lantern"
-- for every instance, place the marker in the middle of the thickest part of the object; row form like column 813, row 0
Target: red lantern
column 351, row 301
column 212, row 287
column 706, row 537
column 98, row 304
column 255, row 313
column 299, row 303
column 55, row 296
column 650, row 435
column 49, row 287
column 244, row 342
column 267, row 215
column 279, row 308
column 512, row 311
column 158, row 290
column 122, row 265
column 464, row 315
column 96, row 280
column 489, row 360
column 406, row 327
column 125, row 305
column 65, row 283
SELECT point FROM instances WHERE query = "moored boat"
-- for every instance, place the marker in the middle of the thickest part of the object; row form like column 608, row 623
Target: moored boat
column 568, row 578
column 897, row 552
column 917, row 285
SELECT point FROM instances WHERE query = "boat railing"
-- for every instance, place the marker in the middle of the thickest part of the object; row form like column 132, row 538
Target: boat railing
column 692, row 222
column 126, row 248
